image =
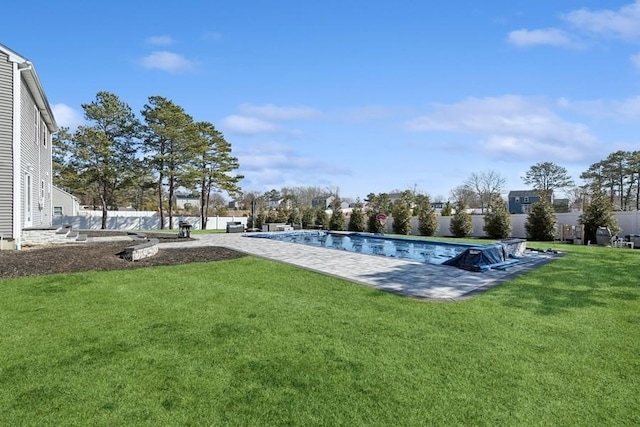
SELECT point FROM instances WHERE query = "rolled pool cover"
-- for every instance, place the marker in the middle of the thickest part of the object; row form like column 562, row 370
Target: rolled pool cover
column 482, row 258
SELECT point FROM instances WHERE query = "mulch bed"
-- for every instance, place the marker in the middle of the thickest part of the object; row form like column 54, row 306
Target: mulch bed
column 67, row 258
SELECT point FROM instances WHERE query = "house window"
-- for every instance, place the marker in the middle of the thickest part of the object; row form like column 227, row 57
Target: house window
column 44, row 136
column 517, row 199
column 57, row 211
column 526, row 199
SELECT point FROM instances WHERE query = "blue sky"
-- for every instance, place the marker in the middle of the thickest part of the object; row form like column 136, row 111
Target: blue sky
column 366, row 96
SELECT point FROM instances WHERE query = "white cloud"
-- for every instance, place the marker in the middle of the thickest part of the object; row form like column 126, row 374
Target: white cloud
column 626, row 110
column 623, row 23
column 510, row 126
column 167, row 61
column 160, row 40
column 249, row 125
column 274, row 165
column 274, row 112
column 546, row 36
column 66, row 116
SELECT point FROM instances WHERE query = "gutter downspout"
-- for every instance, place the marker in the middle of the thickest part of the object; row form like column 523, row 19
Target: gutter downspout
column 17, row 154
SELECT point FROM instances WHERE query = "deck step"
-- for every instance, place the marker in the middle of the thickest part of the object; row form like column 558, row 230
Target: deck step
column 81, row 238
column 72, row 235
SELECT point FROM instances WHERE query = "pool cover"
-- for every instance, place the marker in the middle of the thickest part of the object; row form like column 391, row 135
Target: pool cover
column 482, row 258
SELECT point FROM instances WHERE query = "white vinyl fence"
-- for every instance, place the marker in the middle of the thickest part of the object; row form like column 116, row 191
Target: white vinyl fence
column 629, row 222
column 125, row 220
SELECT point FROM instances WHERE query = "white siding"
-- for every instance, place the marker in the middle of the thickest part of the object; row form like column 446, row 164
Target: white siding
column 6, row 148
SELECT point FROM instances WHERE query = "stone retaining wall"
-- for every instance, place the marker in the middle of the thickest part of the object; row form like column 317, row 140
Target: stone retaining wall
column 143, row 250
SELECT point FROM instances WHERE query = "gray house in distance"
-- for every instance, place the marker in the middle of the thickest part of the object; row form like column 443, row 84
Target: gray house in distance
column 26, row 125
column 520, row 201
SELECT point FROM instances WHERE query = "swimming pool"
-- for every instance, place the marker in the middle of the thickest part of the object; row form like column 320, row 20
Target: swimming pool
column 413, row 249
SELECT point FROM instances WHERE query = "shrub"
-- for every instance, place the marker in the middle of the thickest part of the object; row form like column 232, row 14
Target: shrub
column 427, row 218
column 447, row 210
column 308, row 217
column 322, row 219
column 461, row 223
column 357, row 219
column 541, row 221
column 599, row 213
column 497, row 222
column 401, row 213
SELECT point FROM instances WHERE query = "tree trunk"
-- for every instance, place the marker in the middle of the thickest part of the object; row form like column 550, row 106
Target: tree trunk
column 160, row 203
column 104, row 211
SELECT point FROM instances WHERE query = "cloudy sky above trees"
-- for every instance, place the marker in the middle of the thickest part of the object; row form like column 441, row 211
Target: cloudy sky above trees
column 367, row 96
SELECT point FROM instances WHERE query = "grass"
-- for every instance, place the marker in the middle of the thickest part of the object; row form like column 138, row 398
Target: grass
column 253, row 342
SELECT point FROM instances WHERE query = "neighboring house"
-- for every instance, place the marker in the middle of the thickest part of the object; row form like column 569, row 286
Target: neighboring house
column 187, row 201
column 236, row 204
column 64, row 204
column 325, row 202
column 520, row 201
column 275, row 203
column 26, row 125
column 322, row 202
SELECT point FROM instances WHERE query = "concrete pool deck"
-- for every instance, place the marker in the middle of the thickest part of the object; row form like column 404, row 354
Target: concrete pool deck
column 409, row 278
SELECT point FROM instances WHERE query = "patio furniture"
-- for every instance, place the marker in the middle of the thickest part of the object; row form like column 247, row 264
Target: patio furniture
column 235, row 227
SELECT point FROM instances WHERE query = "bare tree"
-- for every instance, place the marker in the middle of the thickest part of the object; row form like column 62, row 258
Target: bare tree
column 486, row 185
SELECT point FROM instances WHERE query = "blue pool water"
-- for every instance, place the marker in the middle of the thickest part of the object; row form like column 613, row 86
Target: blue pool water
column 417, row 250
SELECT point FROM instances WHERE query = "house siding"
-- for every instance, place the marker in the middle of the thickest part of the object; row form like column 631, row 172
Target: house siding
column 6, row 147
column 35, row 158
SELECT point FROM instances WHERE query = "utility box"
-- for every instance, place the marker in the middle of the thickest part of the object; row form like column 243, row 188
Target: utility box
column 635, row 238
column 603, row 236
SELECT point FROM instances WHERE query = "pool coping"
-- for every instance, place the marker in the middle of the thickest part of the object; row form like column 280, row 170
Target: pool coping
column 403, row 277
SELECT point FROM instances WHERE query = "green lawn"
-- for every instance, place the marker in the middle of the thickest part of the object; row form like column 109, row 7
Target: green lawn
column 254, row 342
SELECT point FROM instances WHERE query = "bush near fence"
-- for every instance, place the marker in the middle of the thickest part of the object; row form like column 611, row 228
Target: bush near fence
column 629, row 222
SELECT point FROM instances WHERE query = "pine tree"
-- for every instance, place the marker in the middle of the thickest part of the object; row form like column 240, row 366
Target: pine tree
column 357, row 220
column 447, row 210
column 599, row 213
column 497, row 222
column 427, row 218
column 401, row 213
column 541, row 221
column 336, row 221
column 461, row 223
column 322, row 219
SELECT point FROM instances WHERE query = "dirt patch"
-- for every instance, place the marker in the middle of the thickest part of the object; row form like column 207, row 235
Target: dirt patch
column 37, row 261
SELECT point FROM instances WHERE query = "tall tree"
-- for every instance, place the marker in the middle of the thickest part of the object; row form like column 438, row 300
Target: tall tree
column 617, row 176
column 547, row 177
column 105, row 150
column 467, row 194
column 169, row 146
column 211, row 166
column 486, row 185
